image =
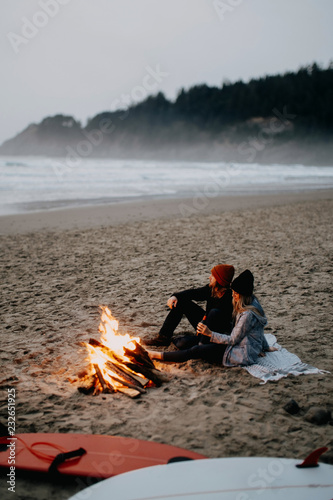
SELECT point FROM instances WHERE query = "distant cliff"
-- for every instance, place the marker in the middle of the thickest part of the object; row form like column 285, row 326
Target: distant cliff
column 275, row 119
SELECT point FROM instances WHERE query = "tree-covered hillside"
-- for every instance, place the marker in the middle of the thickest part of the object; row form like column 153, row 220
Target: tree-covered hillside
column 293, row 109
column 308, row 94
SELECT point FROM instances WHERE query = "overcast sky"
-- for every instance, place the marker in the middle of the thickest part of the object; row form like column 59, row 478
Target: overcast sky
column 81, row 57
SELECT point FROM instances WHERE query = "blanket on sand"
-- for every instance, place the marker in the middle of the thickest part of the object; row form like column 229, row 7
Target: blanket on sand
column 278, row 364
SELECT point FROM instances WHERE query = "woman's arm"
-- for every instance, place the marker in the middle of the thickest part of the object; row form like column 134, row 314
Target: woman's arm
column 203, row 330
column 239, row 331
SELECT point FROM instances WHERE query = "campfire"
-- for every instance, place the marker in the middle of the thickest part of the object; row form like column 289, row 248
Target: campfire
column 118, row 363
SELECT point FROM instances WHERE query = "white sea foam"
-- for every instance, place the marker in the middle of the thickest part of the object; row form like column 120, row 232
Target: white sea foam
column 35, row 183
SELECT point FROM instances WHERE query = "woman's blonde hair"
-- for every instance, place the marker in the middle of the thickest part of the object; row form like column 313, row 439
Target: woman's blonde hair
column 243, row 304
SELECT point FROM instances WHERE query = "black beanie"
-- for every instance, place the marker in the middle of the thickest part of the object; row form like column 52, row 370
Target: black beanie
column 243, row 284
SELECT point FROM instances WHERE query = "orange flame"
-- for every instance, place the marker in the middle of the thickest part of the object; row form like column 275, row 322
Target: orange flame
column 115, row 341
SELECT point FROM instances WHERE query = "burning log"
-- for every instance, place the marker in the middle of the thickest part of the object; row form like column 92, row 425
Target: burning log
column 106, row 350
column 119, row 362
column 143, row 381
column 139, row 355
column 152, row 374
column 122, row 374
column 119, row 380
column 105, row 386
column 89, row 384
column 132, row 393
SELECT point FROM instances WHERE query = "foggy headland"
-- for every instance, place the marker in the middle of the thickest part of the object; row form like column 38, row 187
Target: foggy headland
column 274, row 119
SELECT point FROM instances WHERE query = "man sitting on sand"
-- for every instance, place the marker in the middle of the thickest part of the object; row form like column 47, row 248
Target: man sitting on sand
column 247, row 340
column 218, row 297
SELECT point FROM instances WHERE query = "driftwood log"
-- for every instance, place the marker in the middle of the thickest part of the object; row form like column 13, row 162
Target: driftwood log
column 122, row 374
column 105, row 386
column 127, row 371
column 106, row 350
column 143, row 381
column 88, row 385
column 145, row 367
column 132, row 393
column 129, row 377
column 127, row 384
column 139, row 355
column 152, row 374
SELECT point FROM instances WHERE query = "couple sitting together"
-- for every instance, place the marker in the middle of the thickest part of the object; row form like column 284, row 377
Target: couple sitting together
column 229, row 332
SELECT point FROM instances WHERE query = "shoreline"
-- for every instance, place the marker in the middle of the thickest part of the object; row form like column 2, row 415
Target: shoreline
column 122, row 212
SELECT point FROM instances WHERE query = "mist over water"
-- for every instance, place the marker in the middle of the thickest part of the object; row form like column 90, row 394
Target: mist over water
column 36, row 183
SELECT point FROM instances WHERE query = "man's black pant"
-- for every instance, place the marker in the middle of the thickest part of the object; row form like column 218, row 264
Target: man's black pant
column 194, row 314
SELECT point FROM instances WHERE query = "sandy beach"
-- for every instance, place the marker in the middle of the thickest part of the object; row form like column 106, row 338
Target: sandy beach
column 59, row 266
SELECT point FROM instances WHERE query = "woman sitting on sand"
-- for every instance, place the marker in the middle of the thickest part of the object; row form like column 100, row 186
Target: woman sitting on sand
column 218, row 298
column 245, row 343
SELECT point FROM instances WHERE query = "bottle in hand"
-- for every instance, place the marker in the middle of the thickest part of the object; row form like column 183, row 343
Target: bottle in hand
column 203, row 338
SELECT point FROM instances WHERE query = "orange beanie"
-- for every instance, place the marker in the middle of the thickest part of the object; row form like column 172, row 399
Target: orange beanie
column 223, row 274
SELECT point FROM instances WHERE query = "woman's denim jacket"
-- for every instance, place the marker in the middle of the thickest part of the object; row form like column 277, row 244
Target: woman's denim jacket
column 247, row 338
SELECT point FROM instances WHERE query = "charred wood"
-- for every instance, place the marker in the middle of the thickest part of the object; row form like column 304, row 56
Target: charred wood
column 88, row 385
column 140, row 355
column 132, row 393
column 127, row 384
column 105, row 386
column 122, row 373
column 151, row 373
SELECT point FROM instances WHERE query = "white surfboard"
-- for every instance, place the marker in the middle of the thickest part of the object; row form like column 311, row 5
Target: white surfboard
column 250, row 478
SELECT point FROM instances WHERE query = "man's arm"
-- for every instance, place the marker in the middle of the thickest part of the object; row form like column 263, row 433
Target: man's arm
column 199, row 294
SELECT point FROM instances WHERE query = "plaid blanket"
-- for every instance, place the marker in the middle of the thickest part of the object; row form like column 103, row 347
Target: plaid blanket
column 279, row 364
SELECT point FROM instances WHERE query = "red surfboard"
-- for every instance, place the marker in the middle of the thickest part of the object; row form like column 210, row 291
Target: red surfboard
column 86, row 455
